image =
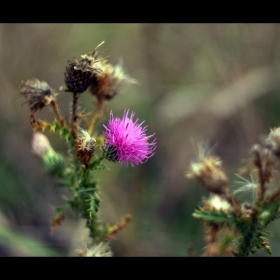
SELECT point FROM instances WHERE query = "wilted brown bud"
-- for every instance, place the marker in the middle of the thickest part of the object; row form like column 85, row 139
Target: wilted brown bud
column 84, row 147
column 107, row 82
column 209, row 172
column 79, row 73
column 273, row 141
column 38, row 94
column 265, row 160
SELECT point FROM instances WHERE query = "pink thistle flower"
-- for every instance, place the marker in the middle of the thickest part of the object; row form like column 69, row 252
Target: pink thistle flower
column 126, row 140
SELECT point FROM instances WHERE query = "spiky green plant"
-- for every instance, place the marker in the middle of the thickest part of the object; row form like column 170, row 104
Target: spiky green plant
column 77, row 171
column 243, row 221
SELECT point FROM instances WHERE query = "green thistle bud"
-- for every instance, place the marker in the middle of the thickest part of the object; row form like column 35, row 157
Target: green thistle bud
column 110, row 153
column 54, row 163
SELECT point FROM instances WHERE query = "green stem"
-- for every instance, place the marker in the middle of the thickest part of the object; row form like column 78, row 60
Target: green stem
column 95, row 163
column 248, row 233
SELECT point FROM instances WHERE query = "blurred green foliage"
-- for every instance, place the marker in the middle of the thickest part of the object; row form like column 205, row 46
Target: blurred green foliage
column 196, row 82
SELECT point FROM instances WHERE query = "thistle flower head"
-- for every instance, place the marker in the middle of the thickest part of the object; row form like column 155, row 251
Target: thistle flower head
column 209, row 172
column 38, row 94
column 107, row 82
column 127, row 140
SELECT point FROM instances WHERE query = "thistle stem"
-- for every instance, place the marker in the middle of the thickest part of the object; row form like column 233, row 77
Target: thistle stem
column 74, row 114
column 96, row 116
column 258, row 164
column 57, row 113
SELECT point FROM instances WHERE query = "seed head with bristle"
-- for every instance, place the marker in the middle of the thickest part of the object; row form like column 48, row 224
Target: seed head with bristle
column 98, row 250
column 37, row 94
column 247, row 188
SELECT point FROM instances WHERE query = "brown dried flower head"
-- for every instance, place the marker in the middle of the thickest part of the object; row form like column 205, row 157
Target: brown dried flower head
column 84, row 147
column 108, row 81
column 79, row 73
column 38, row 94
column 209, row 172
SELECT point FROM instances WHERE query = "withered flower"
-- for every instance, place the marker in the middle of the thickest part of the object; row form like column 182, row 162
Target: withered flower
column 38, row 94
column 108, row 81
column 79, row 73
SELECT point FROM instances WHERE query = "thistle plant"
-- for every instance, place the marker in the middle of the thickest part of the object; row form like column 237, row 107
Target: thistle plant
column 233, row 225
column 123, row 140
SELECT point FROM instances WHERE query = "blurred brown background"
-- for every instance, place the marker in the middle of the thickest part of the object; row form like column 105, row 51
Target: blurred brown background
column 196, row 82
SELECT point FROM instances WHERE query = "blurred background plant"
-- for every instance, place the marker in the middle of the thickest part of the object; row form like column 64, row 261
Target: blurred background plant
column 196, row 82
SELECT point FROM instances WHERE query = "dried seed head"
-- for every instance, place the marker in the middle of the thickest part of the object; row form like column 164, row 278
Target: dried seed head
column 78, row 74
column 108, row 81
column 209, row 172
column 273, row 141
column 84, row 147
column 54, row 163
column 38, row 94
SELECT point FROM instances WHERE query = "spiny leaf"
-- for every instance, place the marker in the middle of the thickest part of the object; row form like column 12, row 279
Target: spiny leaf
column 218, row 217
